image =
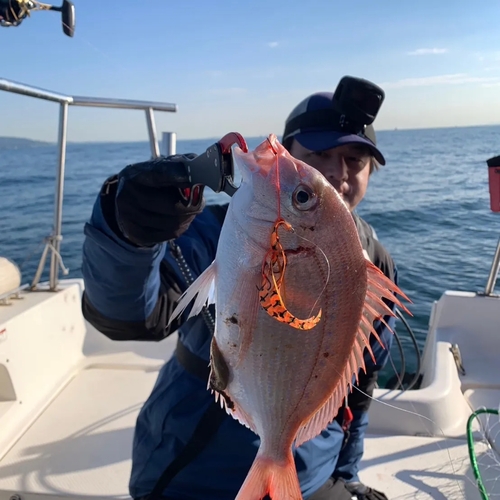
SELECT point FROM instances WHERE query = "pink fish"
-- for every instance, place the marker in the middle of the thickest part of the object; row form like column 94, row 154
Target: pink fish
column 295, row 304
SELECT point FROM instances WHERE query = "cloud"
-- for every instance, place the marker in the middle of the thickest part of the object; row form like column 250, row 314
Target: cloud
column 272, row 45
column 487, row 56
column 423, row 52
column 428, row 81
column 490, row 61
column 492, row 83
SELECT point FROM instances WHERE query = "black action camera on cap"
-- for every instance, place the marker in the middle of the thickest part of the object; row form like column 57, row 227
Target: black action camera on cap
column 354, row 105
column 357, row 102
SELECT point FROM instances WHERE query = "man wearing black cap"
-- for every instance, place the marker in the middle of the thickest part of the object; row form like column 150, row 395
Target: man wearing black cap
column 142, row 249
column 346, row 159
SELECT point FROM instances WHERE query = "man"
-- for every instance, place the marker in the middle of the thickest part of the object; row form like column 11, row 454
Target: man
column 143, row 248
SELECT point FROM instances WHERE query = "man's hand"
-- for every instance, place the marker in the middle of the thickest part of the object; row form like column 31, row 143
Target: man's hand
column 149, row 205
column 362, row 492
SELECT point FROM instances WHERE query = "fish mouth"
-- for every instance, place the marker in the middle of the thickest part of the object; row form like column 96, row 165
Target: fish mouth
column 261, row 161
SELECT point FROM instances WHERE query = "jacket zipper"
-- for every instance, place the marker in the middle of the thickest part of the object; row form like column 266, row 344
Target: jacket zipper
column 188, row 276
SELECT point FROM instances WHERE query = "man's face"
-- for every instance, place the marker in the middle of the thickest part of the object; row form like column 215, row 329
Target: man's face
column 347, row 168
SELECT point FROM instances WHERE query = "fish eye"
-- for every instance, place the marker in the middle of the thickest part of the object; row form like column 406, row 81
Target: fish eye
column 304, row 198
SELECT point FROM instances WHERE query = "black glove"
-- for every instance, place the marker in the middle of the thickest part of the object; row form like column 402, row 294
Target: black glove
column 363, row 492
column 149, row 207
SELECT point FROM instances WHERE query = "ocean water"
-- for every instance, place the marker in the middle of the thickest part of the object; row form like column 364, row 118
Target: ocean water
column 429, row 206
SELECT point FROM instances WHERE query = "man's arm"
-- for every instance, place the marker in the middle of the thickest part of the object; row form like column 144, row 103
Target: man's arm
column 129, row 291
column 131, row 280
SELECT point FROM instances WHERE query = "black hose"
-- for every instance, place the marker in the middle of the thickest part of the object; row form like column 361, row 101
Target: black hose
column 399, row 381
column 416, row 375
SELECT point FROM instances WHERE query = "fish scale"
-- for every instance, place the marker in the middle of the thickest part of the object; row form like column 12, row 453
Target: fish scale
column 285, row 383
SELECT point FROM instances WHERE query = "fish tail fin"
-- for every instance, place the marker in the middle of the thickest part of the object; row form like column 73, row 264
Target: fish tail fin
column 268, row 477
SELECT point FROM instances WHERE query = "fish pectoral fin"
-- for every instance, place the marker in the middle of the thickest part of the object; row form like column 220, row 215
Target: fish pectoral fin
column 379, row 287
column 203, row 288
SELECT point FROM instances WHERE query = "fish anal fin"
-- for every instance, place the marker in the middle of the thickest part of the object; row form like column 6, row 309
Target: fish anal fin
column 203, row 288
column 231, row 408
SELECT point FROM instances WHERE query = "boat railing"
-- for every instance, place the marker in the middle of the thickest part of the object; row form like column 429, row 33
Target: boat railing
column 53, row 241
column 493, row 275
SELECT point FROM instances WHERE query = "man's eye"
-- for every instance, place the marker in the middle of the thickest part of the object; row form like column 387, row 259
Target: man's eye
column 320, row 154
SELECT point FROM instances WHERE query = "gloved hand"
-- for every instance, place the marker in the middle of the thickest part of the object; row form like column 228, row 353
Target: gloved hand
column 149, row 207
column 363, row 492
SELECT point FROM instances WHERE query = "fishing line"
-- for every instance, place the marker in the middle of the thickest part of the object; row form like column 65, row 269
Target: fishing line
column 455, row 472
column 278, row 185
column 327, row 265
column 470, row 440
column 353, row 386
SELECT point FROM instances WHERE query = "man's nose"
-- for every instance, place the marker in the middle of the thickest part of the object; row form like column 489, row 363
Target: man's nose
column 336, row 169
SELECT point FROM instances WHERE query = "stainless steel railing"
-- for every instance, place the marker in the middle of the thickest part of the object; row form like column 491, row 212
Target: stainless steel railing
column 493, row 275
column 53, row 242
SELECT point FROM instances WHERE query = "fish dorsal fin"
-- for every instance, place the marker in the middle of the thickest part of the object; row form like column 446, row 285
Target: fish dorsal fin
column 379, row 286
column 203, row 288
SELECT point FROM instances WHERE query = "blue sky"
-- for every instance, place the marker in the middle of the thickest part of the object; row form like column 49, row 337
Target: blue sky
column 243, row 65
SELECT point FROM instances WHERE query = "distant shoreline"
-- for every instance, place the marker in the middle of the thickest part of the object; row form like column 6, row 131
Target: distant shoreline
column 22, row 142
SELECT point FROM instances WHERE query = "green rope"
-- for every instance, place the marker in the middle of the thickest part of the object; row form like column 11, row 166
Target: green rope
column 472, row 455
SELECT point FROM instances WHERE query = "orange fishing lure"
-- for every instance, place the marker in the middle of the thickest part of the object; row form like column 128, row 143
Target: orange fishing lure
column 273, row 272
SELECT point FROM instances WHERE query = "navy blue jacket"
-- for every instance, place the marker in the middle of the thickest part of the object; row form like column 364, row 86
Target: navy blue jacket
column 129, row 295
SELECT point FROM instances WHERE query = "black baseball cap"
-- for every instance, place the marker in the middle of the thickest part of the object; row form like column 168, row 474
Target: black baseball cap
column 310, row 125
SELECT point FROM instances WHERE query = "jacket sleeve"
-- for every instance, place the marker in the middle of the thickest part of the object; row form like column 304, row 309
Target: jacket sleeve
column 359, row 402
column 130, row 291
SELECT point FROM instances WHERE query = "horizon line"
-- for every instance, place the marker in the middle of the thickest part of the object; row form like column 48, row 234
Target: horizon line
column 395, row 129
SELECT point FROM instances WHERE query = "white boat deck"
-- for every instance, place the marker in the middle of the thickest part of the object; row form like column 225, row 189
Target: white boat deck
column 80, row 445
column 68, row 429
